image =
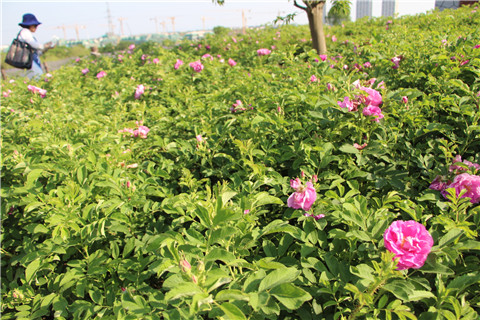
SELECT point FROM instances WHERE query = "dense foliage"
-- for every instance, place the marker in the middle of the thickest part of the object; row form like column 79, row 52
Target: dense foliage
column 138, row 187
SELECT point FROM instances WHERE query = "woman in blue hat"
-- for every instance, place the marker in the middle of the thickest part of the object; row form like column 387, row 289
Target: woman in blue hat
column 29, row 25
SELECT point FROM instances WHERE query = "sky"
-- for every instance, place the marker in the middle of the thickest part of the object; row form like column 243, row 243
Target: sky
column 89, row 19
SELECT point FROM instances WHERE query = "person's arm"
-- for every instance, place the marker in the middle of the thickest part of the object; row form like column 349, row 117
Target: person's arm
column 27, row 36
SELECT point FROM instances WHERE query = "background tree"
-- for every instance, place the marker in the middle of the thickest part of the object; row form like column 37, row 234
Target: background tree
column 314, row 10
column 339, row 12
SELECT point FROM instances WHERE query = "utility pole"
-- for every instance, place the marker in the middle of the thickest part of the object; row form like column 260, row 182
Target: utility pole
column 121, row 25
column 156, row 23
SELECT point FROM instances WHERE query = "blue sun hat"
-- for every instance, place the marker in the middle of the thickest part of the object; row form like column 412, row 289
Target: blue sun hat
column 29, row 20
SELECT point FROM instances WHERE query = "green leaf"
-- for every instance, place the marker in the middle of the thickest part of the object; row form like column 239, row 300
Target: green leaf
column 281, row 226
column 32, row 269
column 277, row 277
column 220, row 254
column 33, row 176
column 450, row 237
column 348, row 148
column 185, row 289
column 290, row 296
column 231, row 294
column 232, row 312
column 263, row 198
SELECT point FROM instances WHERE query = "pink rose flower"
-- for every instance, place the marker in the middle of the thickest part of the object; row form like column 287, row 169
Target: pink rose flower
column 197, row 66
column 458, row 169
column 85, row 71
column 396, row 62
column 439, row 184
column 313, row 78
column 139, row 91
column 232, row 62
column 405, row 99
column 303, row 197
column 372, row 110
column 40, row 91
column 263, row 52
column 360, row 147
column 141, row 132
column 101, row 74
column 199, row 138
column 178, row 64
column 469, row 182
column 410, row 242
column 156, row 60
column 323, row 57
column 347, row 103
column 374, row 97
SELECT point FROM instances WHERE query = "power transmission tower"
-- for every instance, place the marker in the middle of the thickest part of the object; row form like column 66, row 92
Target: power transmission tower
column 110, row 23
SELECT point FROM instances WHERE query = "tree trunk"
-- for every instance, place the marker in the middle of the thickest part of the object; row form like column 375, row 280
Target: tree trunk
column 315, row 22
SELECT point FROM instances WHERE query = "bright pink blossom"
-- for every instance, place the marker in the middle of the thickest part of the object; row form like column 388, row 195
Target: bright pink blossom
column 313, row 78
column 477, row 46
column 101, row 74
column 232, row 62
column 410, row 242
column 156, row 60
column 374, row 97
column 396, row 62
column 347, row 103
column 439, row 183
column 303, row 197
column 457, row 169
column 469, row 182
column 405, row 99
column 323, row 57
column 197, row 66
column 372, row 110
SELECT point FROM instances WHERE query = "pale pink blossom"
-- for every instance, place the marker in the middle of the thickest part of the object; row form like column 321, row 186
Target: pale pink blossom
column 457, row 169
column 156, row 61
column 199, row 138
column 85, row 71
column 132, row 166
column 139, row 91
column 40, row 91
column 410, row 242
column 303, row 197
column 178, row 64
column 316, row 217
column 374, row 97
column 334, row 39
column 232, row 62
column 360, row 147
column 263, row 52
column 246, row 211
column 313, row 78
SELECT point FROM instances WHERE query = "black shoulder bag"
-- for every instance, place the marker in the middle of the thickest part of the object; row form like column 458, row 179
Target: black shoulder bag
column 20, row 54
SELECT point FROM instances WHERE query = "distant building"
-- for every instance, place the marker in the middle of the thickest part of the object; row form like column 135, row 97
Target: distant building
column 364, row 9
column 452, row 4
column 389, row 8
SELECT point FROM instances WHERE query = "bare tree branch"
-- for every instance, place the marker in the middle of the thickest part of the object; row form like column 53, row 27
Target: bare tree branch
column 299, row 6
